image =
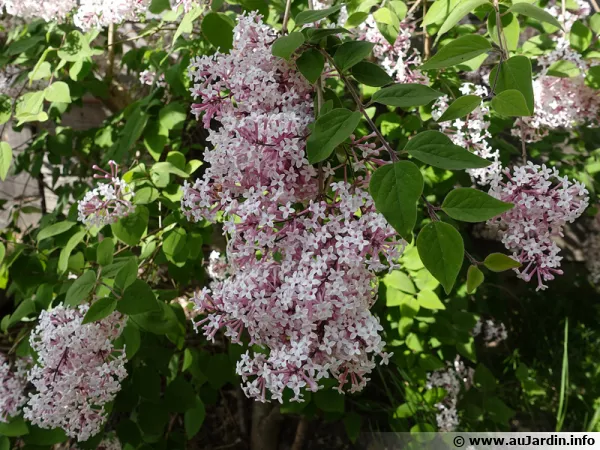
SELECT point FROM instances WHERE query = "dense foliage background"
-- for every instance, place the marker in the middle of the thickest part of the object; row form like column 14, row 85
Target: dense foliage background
column 405, row 102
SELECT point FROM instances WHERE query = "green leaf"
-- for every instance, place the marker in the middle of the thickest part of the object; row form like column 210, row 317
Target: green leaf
column 311, row 16
column 461, row 107
column 6, row 157
column 16, row 427
column 5, row 108
column 387, row 23
column 529, row 10
column 194, row 418
column 138, row 299
column 429, row 300
column 352, row 424
column 329, row 400
column 563, row 69
column 510, row 28
column 75, row 48
column 315, row 35
column 2, row 252
column 350, row 53
column 474, row 279
column 330, row 130
column 461, row 9
column 81, row 288
column 187, row 23
column 510, row 103
column 515, row 73
column 25, row 308
column 100, row 309
column 595, row 23
column 218, row 30
column 580, row 36
column 496, row 408
column 438, row 11
column 311, row 64
column 404, row 95
column 413, row 342
column 458, row 51
column 592, row 78
column 65, row 253
column 54, row 230
column 436, row 149
column 127, row 274
column 396, row 188
column 499, row 262
column 168, row 167
column 174, row 245
column 105, row 251
column 355, row 19
column 286, row 45
column 130, row 229
column 4, row 443
column 145, row 195
column 441, row 249
column 132, row 131
column 172, row 116
column 473, row 205
column 180, row 395
column 370, row 74
column 483, row 379
column 399, row 280
column 58, row 92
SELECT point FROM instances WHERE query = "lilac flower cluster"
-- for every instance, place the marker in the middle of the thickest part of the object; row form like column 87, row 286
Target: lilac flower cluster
column 452, row 380
column 87, row 13
column 561, row 102
column 472, row 133
column 147, row 77
column 400, row 60
column 13, row 380
column 492, row 332
column 78, row 371
column 301, row 263
column 108, row 202
column 544, row 203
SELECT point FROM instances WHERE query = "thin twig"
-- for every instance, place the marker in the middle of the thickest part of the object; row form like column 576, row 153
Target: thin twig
column 361, row 107
column 426, row 43
column 286, row 16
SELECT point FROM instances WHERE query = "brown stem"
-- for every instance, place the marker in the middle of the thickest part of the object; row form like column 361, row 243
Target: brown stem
column 286, row 16
column 426, row 42
column 111, row 52
column 361, row 108
column 41, row 189
column 301, row 432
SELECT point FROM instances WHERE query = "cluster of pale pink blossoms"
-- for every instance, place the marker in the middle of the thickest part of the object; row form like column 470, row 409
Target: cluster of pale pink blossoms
column 561, row 103
column 148, row 77
column 86, row 14
column 302, row 267
column 13, row 380
column 543, row 203
column 472, row 133
column 107, row 203
column 453, row 380
column 77, row 372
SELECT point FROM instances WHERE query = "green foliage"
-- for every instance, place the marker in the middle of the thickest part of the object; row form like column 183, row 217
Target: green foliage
column 406, row 95
column 458, row 51
column 472, row 205
column 331, row 130
column 441, row 249
column 396, row 188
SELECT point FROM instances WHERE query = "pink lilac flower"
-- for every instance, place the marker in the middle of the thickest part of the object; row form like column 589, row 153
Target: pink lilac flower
column 302, row 266
column 492, row 332
column 101, row 13
column 217, row 266
column 147, row 77
column 472, row 133
column 452, row 379
column 109, row 202
column 561, row 102
column 399, row 60
column 88, row 13
column 544, row 202
column 13, row 380
column 78, row 371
